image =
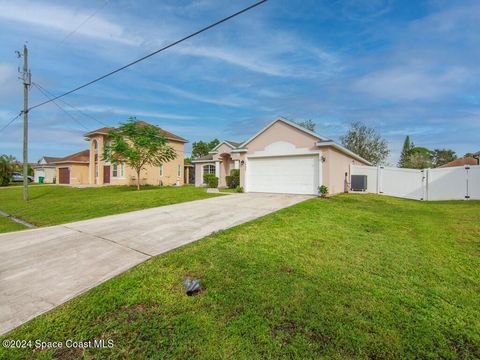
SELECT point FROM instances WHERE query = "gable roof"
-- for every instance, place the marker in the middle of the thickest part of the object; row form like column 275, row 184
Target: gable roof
column 206, row 158
column 232, row 144
column 167, row 134
column 49, row 159
column 79, row 157
column 461, row 162
column 323, row 141
column 288, row 122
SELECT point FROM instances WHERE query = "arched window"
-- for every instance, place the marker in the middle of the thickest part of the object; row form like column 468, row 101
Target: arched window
column 209, row 169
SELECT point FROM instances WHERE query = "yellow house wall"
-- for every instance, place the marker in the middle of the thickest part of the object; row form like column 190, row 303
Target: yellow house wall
column 78, row 173
column 150, row 175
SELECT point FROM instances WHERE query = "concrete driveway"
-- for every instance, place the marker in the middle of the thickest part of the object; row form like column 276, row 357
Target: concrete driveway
column 43, row 268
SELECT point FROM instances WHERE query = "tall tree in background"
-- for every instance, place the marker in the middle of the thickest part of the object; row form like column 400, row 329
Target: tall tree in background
column 442, row 156
column 202, row 148
column 366, row 142
column 406, row 153
column 138, row 144
column 307, row 124
column 420, row 158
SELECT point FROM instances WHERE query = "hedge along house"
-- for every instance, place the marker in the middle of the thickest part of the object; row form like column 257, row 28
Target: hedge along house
column 282, row 158
column 88, row 167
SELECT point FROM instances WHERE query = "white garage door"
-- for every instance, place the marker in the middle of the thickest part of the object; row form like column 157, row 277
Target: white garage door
column 286, row 174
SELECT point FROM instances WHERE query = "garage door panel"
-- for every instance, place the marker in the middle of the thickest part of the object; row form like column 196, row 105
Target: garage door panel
column 287, row 174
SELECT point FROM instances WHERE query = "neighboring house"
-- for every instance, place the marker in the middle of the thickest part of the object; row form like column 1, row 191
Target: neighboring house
column 73, row 169
column 45, row 167
column 282, row 158
column 88, row 168
column 465, row 161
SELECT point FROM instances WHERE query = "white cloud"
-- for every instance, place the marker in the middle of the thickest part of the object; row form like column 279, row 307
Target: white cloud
column 224, row 100
column 409, row 83
column 8, row 81
column 65, row 19
column 134, row 112
column 235, row 57
column 365, row 10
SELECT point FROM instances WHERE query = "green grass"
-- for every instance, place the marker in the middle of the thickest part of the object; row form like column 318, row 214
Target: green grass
column 51, row 205
column 353, row 276
column 7, row 225
column 227, row 190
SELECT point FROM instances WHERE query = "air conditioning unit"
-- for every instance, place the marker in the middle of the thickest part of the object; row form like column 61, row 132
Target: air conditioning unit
column 359, row 183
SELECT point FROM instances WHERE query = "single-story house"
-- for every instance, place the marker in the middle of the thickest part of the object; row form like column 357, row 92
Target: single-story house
column 45, row 167
column 88, row 168
column 283, row 157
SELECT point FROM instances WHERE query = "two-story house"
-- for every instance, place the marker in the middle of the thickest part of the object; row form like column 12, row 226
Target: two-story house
column 88, row 168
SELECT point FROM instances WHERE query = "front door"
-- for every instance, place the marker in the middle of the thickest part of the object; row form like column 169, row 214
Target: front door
column 64, row 175
column 106, row 174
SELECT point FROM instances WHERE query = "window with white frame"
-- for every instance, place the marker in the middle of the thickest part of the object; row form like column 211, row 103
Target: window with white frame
column 117, row 170
column 179, row 170
column 161, row 169
column 209, row 169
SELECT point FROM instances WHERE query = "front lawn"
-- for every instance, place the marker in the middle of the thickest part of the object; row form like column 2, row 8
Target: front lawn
column 9, row 225
column 353, row 276
column 51, row 205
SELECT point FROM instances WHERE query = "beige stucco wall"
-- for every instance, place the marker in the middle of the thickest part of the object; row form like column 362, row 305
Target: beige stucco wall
column 150, row 175
column 78, row 173
column 48, row 172
column 334, row 168
column 222, row 149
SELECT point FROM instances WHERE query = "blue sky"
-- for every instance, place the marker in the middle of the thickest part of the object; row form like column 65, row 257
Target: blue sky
column 402, row 67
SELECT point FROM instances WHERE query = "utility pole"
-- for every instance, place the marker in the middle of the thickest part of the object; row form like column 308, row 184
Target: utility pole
column 26, row 77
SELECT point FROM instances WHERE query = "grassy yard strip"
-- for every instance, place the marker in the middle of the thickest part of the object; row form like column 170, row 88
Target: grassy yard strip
column 7, row 225
column 52, row 205
column 353, row 276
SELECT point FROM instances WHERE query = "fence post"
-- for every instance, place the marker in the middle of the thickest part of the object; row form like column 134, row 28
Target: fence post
column 427, row 179
column 467, row 194
column 379, row 180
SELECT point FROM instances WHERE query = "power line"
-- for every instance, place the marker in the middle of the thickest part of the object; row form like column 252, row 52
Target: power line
column 153, row 53
column 72, row 106
column 11, row 121
column 83, row 22
column 55, row 103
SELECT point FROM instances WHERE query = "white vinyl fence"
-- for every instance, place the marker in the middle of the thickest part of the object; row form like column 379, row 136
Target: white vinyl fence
column 455, row 183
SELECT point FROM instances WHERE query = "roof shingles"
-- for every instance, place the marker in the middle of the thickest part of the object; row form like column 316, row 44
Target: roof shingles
column 461, row 162
column 79, row 157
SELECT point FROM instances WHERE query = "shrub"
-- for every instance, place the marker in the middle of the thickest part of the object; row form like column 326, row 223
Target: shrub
column 211, row 180
column 323, row 190
column 233, row 180
column 6, row 170
column 239, row 189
